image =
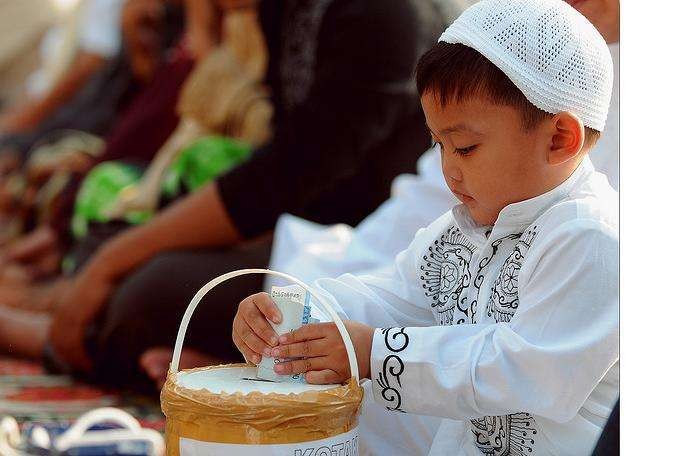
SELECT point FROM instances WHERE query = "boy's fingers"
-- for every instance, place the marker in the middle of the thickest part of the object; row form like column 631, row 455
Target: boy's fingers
column 301, row 349
column 260, row 326
column 240, row 346
column 256, row 344
column 323, row 377
column 236, row 331
column 307, row 332
column 301, row 365
column 250, row 339
column 247, row 353
column 267, row 306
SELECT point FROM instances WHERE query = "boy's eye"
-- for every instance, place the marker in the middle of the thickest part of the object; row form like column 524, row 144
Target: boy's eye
column 458, row 150
column 465, row 150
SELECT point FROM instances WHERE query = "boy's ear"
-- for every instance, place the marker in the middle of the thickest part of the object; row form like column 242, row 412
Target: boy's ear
column 568, row 135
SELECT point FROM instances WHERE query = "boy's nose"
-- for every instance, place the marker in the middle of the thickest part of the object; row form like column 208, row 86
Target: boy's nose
column 454, row 173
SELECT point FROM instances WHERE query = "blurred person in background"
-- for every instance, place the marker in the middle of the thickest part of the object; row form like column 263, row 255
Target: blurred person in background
column 147, row 69
column 22, row 27
column 148, row 74
column 116, row 45
column 222, row 95
column 97, row 39
column 346, row 120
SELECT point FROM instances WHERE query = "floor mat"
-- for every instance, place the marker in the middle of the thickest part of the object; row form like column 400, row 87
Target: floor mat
column 31, row 395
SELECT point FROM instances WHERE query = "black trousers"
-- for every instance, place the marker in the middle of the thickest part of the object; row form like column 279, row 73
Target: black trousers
column 146, row 309
column 609, row 442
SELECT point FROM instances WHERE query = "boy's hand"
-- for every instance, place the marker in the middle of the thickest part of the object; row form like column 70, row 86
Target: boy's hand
column 323, row 352
column 252, row 333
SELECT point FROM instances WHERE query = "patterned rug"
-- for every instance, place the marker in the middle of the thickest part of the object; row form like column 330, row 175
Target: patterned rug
column 30, row 395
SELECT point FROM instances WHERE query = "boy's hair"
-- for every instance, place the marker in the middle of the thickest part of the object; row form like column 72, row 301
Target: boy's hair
column 458, row 72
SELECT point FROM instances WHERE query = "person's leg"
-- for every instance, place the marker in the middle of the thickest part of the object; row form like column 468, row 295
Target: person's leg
column 23, row 333
column 146, row 310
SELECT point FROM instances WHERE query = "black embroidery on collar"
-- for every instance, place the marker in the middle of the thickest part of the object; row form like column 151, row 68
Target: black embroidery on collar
column 504, row 297
column 479, row 278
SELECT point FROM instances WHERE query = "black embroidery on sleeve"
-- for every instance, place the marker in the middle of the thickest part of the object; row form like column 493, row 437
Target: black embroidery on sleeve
column 389, row 379
column 397, row 341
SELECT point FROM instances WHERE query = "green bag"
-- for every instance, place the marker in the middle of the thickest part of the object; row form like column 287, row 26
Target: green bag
column 100, row 190
column 202, row 162
column 196, row 165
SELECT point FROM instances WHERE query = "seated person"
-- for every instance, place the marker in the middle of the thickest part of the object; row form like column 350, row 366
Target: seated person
column 26, row 23
column 489, row 319
column 98, row 39
column 337, row 132
column 106, row 105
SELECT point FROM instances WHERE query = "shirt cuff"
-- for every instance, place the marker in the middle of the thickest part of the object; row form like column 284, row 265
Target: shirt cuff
column 387, row 367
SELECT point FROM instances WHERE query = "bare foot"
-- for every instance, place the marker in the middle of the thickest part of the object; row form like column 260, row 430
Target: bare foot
column 41, row 297
column 31, row 246
column 31, row 257
column 156, row 362
column 9, row 161
column 42, row 268
column 14, row 274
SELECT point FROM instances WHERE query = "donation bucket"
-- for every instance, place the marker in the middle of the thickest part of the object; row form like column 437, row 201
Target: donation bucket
column 226, row 410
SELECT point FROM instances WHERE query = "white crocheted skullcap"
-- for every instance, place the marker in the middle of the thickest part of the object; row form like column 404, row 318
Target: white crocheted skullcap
column 550, row 51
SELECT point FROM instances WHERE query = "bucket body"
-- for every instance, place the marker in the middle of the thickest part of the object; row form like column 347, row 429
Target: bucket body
column 224, row 410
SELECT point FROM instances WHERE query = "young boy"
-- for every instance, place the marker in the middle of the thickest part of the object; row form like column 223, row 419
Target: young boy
column 502, row 315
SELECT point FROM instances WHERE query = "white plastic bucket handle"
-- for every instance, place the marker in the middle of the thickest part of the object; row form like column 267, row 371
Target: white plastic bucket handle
column 179, row 343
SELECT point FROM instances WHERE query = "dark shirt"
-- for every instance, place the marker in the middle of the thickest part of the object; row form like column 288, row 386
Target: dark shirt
column 347, row 114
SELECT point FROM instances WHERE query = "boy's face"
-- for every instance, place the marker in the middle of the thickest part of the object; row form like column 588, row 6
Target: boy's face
column 489, row 160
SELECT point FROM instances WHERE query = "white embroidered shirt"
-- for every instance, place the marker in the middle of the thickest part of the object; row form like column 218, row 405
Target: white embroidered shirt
column 508, row 332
